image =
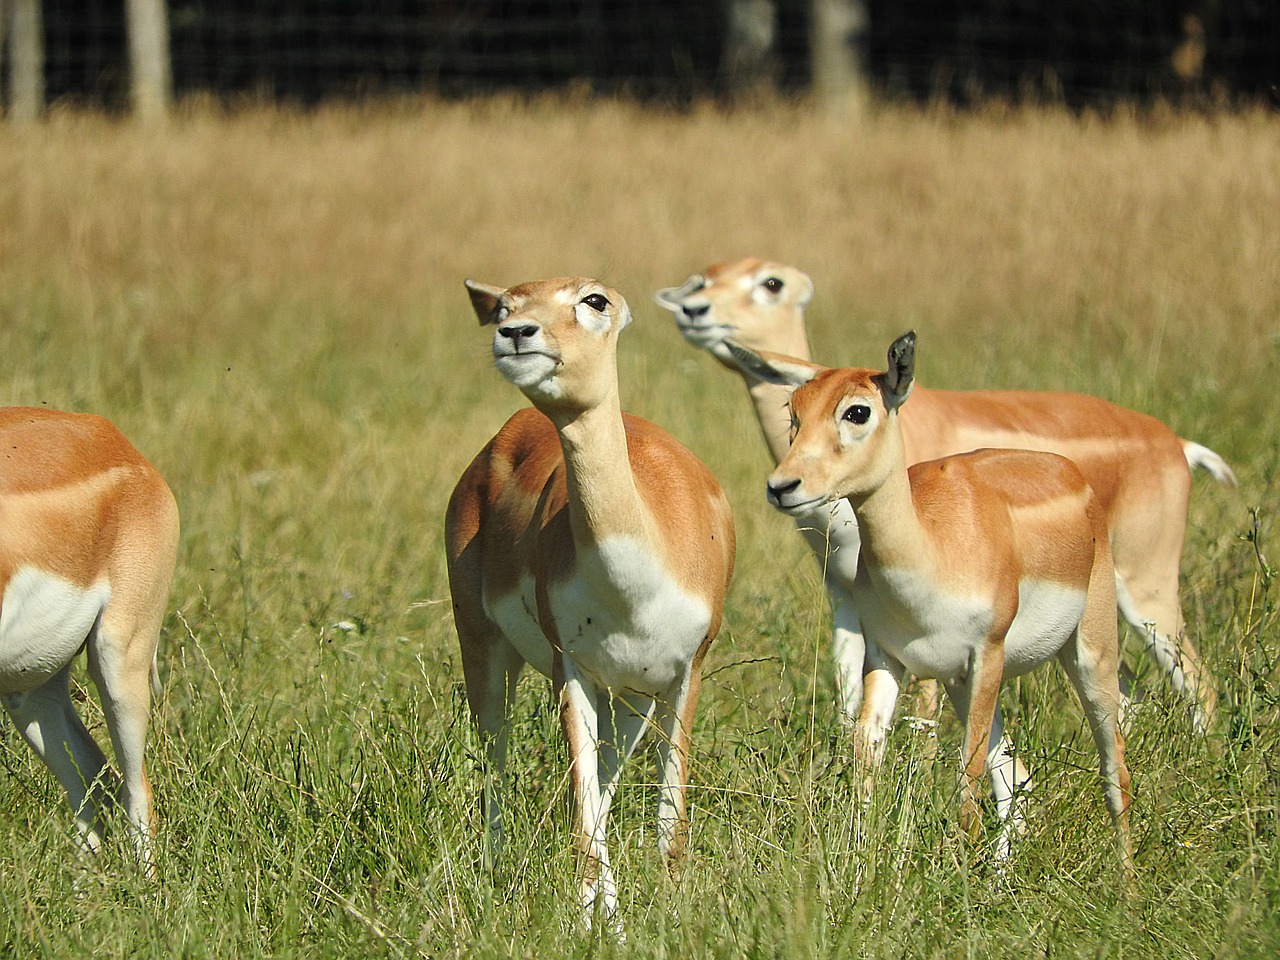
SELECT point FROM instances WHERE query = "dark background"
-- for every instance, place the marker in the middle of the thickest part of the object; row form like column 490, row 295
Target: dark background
column 1073, row 51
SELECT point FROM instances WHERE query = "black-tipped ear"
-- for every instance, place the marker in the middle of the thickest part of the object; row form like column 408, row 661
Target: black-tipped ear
column 898, row 378
column 486, row 300
column 772, row 367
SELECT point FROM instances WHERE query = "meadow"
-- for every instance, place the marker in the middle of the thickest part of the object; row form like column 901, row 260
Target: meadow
column 270, row 305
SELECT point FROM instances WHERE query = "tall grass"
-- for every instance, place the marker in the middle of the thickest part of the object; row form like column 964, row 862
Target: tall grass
column 270, row 305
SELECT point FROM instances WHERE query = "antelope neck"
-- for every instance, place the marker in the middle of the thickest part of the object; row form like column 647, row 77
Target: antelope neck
column 603, row 499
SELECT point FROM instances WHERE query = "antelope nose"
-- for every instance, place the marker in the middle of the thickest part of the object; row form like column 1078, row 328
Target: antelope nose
column 777, row 489
column 693, row 313
column 517, row 331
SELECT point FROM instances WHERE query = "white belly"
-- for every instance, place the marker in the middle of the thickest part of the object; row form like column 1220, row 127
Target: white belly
column 1048, row 614
column 935, row 634
column 44, row 622
column 621, row 618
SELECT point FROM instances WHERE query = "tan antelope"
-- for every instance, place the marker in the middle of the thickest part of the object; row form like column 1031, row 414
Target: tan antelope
column 973, row 568
column 88, row 541
column 591, row 545
column 1139, row 469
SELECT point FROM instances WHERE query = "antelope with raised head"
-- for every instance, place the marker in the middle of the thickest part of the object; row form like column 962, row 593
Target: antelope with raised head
column 591, row 545
column 973, row 568
column 88, row 542
column 1139, row 469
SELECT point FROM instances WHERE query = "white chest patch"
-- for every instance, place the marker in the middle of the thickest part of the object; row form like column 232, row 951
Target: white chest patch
column 621, row 617
column 44, row 622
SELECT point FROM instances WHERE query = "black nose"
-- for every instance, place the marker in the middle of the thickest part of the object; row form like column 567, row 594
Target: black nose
column 693, row 313
column 780, row 488
column 516, row 331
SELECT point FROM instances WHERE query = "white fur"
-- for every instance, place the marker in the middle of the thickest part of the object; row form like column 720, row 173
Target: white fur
column 641, row 646
column 44, row 621
column 1047, row 617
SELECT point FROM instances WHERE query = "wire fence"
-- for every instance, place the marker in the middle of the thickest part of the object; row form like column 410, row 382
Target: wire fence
column 309, row 51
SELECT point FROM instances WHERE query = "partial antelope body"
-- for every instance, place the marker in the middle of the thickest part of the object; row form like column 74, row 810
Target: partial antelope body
column 88, row 542
column 1139, row 470
column 973, row 568
column 591, row 545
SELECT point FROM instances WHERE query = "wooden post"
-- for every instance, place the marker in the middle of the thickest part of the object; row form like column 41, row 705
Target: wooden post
column 26, row 60
column 837, row 47
column 150, row 73
column 749, row 62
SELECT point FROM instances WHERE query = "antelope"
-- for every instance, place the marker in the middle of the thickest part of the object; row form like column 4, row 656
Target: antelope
column 592, row 546
column 1140, row 472
column 972, row 568
column 88, row 543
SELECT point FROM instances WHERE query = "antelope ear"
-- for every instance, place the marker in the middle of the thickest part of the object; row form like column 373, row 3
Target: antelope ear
column 806, row 288
column 486, row 300
column 772, row 367
column 898, row 379
column 672, row 297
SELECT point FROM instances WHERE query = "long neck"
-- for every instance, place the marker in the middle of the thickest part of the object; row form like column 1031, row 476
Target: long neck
column 770, row 400
column 892, row 534
column 603, row 499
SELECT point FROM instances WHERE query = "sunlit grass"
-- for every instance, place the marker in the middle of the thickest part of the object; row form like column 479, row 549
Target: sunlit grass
column 271, row 307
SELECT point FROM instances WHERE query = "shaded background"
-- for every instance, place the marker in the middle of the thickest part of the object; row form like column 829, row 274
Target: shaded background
column 1075, row 51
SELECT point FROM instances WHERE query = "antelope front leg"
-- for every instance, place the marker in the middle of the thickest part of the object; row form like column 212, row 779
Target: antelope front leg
column 580, row 721
column 881, row 685
column 975, row 702
column 675, row 725
column 848, row 652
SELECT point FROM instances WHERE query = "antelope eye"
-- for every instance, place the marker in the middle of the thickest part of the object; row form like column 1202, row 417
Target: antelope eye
column 773, row 285
column 856, row 413
column 596, row 302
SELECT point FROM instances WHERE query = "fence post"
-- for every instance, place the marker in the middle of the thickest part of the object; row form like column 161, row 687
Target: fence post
column 836, row 43
column 150, row 73
column 26, row 61
column 749, row 62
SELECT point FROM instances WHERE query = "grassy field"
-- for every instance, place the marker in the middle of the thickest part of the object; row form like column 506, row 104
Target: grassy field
column 271, row 307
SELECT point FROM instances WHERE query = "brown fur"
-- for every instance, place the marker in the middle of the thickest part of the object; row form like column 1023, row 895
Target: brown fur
column 79, row 503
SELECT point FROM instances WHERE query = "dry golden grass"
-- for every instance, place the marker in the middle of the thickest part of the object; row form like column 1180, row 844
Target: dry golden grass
column 271, row 306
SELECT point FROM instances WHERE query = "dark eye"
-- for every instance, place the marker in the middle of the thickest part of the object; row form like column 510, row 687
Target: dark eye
column 773, row 285
column 857, row 413
column 596, row 301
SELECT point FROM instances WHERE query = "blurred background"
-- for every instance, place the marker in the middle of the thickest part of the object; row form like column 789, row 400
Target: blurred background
column 144, row 53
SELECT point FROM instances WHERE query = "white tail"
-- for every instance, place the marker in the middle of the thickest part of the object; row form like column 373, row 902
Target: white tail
column 594, row 547
column 1137, row 467
column 88, row 541
column 1210, row 462
column 973, row 568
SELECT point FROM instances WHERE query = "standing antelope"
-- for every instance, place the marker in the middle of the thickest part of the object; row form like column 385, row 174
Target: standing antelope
column 1138, row 468
column 591, row 545
column 973, row 567
column 88, row 541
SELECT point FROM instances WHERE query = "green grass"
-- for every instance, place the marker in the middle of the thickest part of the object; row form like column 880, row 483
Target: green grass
column 271, row 307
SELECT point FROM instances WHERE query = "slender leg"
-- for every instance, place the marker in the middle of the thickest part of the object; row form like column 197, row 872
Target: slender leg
column 1152, row 609
column 881, row 684
column 976, row 703
column 848, row 652
column 491, row 667
column 675, row 716
column 47, row 720
column 623, row 722
column 580, row 721
column 121, row 652
column 1010, row 781
column 1091, row 662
